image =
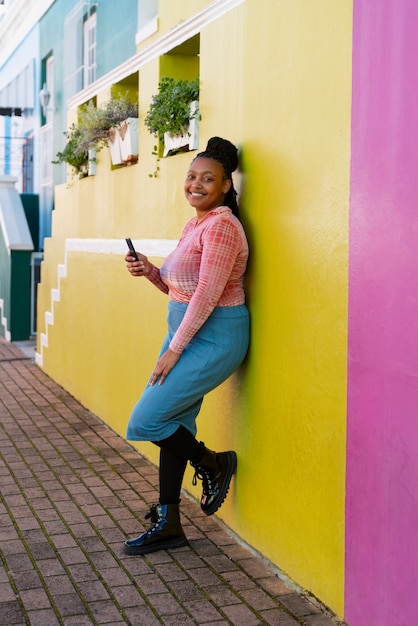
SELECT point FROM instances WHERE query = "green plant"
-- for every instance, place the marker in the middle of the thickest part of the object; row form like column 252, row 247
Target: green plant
column 76, row 158
column 95, row 122
column 169, row 111
column 92, row 130
column 170, row 107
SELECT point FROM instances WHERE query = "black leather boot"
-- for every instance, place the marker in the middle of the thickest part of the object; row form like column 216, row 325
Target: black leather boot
column 164, row 534
column 215, row 470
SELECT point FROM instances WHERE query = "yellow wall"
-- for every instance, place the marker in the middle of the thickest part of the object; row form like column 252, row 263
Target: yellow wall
column 275, row 78
column 173, row 13
column 297, row 117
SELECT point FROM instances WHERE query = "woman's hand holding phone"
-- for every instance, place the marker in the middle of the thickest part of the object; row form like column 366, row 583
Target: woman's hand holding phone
column 137, row 263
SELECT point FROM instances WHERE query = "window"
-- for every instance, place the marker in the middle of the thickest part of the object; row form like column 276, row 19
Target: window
column 80, row 47
column 49, row 72
column 27, row 165
column 89, row 44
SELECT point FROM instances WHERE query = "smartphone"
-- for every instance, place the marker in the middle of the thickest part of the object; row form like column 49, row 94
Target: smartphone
column 131, row 248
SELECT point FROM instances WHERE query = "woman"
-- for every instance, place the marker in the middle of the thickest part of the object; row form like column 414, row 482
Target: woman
column 208, row 333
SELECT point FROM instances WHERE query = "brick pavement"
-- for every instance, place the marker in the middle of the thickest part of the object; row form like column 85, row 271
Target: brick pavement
column 72, row 490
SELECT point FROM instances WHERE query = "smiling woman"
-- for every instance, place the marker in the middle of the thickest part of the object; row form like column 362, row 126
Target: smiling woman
column 215, row 166
column 207, row 340
column 206, row 185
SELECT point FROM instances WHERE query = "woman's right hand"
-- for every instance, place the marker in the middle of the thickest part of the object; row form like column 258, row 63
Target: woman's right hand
column 142, row 267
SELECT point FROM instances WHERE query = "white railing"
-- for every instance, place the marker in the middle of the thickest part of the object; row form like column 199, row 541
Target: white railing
column 16, row 159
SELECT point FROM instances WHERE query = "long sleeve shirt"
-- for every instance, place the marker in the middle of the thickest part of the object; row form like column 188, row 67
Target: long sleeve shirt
column 205, row 270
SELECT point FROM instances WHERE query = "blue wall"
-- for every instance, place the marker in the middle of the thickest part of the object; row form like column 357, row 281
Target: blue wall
column 116, row 30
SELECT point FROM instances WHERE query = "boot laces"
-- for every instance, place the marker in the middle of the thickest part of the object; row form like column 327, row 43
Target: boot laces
column 208, row 477
column 154, row 516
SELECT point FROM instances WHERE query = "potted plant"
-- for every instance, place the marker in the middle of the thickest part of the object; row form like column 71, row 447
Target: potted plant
column 98, row 127
column 127, row 134
column 174, row 113
column 77, row 158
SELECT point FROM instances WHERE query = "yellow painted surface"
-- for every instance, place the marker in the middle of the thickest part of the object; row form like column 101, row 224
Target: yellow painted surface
column 275, row 78
column 297, row 164
column 111, row 365
column 173, row 13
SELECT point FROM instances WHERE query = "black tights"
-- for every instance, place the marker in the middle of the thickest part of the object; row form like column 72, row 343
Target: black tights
column 175, row 451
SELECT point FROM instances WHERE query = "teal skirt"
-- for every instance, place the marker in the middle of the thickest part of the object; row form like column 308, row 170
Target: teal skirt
column 214, row 353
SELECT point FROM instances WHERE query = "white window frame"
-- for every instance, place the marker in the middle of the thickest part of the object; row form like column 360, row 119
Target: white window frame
column 89, row 49
column 49, row 72
column 147, row 19
column 80, row 45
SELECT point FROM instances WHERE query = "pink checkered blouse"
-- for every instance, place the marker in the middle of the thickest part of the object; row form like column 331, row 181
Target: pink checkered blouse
column 205, row 270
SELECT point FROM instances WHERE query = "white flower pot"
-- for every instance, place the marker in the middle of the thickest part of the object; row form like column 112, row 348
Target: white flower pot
column 190, row 138
column 114, row 146
column 92, row 162
column 128, row 139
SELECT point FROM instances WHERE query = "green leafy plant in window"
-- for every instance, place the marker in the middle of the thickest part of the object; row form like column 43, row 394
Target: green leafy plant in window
column 169, row 111
column 92, row 130
column 72, row 154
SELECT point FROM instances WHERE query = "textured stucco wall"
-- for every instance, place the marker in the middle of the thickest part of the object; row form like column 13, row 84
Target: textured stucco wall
column 282, row 91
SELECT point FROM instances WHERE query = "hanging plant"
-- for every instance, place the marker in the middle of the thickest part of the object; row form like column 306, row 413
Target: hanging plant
column 96, row 122
column 93, row 130
column 72, row 155
column 170, row 107
column 170, row 111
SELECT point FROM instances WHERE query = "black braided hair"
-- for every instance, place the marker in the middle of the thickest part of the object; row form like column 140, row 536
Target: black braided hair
column 226, row 154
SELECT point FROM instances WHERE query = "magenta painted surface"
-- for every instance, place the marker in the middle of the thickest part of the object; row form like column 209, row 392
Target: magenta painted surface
column 382, row 447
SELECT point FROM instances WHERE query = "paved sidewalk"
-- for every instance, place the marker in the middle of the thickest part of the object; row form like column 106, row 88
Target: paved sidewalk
column 72, row 490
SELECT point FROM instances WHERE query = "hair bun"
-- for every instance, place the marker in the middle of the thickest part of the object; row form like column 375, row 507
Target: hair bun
column 225, row 147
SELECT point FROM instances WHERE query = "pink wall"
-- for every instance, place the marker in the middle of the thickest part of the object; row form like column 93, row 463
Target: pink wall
column 382, row 453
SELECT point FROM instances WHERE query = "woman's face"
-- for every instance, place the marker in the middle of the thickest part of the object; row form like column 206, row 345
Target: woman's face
column 205, row 185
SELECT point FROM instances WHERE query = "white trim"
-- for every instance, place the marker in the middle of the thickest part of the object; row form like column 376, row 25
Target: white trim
column 150, row 247
column 90, row 49
column 3, row 321
column 175, row 36
column 17, row 22
column 13, row 221
column 147, row 31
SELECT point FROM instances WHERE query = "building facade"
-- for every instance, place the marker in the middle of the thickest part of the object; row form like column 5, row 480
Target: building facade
column 320, row 97
column 63, row 46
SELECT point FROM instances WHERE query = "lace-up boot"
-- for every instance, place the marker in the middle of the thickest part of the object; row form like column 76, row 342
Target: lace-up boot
column 164, row 533
column 215, row 471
